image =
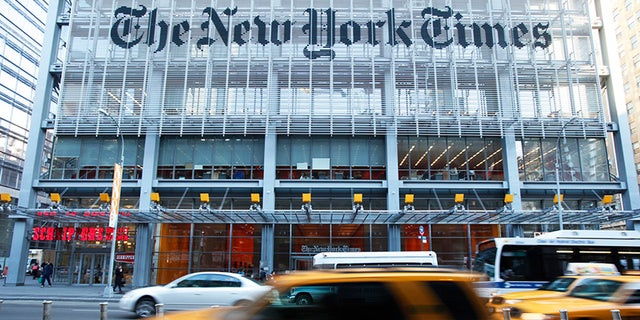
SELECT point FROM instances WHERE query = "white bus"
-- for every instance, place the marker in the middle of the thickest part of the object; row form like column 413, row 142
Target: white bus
column 518, row 264
column 338, row 260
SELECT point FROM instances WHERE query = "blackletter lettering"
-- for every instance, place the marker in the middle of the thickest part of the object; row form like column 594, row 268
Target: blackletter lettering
column 518, row 31
column 127, row 26
column 439, row 30
column 164, row 31
column 391, row 16
column 238, row 32
column 175, row 36
column 488, row 34
column 331, row 28
column 262, row 30
column 274, row 32
column 371, row 26
column 217, row 23
column 344, row 33
column 312, row 29
column 436, row 27
column 540, row 31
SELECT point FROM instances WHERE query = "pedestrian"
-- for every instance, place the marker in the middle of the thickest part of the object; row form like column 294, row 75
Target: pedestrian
column 47, row 271
column 263, row 275
column 119, row 279
column 96, row 274
column 35, row 271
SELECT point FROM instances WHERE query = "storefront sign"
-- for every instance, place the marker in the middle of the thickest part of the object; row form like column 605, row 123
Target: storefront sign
column 126, row 257
column 319, row 249
column 439, row 29
column 78, row 234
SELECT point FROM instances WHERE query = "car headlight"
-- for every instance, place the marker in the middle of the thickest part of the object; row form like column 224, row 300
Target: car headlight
column 496, row 300
column 501, row 300
column 512, row 301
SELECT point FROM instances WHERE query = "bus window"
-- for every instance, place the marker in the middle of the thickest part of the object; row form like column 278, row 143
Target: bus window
column 513, row 265
column 485, row 261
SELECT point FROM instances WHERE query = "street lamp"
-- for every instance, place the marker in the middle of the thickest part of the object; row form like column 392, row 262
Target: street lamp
column 558, row 194
column 115, row 204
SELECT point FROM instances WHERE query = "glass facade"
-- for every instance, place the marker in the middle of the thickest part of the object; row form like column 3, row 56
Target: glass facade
column 336, row 158
column 455, row 103
column 21, row 39
column 211, row 158
column 93, row 158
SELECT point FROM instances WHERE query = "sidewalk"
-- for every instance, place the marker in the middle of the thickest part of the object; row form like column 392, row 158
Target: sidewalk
column 31, row 290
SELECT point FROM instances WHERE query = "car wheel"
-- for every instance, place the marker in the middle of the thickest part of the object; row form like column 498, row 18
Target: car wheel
column 304, row 298
column 242, row 303
column 145, row 307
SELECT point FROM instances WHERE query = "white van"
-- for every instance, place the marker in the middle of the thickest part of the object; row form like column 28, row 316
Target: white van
column 339, row 260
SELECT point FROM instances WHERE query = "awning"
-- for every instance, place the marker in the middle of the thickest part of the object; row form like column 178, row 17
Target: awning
column 301, row 216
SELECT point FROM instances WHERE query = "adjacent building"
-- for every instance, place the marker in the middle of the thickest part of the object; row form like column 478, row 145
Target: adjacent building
column 626, row 15
column 22, row 25
column 253, row 135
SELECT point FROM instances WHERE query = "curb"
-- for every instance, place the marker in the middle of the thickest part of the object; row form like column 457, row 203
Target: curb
column 60, row 298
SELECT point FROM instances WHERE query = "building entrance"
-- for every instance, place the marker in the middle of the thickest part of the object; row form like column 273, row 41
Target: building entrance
column 91, row 268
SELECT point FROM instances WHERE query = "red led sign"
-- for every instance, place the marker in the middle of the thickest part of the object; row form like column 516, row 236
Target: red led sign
column 78, row 234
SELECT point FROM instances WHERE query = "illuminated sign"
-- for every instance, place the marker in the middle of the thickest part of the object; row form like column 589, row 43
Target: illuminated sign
column 439, row 30
column 126, row 257
column 78, row 234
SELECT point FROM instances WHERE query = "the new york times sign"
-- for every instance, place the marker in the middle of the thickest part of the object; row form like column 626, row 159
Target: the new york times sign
column 440, row 29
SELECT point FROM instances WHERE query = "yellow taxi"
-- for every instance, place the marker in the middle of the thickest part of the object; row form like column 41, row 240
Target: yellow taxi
column 577, row 273
column 387, row 293
column 592, row 299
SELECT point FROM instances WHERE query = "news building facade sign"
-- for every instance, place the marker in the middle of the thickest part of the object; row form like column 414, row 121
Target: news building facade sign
column 194, row 59
column 438, row 28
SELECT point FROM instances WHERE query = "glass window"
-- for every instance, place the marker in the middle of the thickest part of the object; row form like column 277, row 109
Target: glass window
column 67, row 147
column 88, row 153
column 449, row 158
column 595, row 166
column 338, row 301
column 224, row 281
column 211, row 158
column 579, row 159
column 532, row 160
column 331, row 158
column 203, row 154
column 340, row 151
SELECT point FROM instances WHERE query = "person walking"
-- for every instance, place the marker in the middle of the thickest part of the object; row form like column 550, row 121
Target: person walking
column 35, row 271
column 47, row 272
column 119, row 279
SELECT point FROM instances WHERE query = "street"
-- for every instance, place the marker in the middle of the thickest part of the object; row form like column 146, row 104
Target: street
column 67, row 310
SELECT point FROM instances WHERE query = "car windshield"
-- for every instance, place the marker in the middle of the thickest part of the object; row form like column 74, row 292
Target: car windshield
column 559, row 284
column 596, row 289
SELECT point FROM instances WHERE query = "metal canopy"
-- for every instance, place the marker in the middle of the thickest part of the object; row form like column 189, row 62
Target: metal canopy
column 163, row 215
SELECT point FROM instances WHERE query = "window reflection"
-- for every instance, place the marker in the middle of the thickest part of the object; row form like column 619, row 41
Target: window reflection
column 450, row 158
column 578, row 159
column 331, row 159
column 211, row 158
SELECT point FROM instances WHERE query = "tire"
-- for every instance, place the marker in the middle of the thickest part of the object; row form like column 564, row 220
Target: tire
column 304, row 298
column 145, row 307
column 242, row 303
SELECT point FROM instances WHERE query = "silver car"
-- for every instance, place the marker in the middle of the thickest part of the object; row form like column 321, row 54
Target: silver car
column 194, row 291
